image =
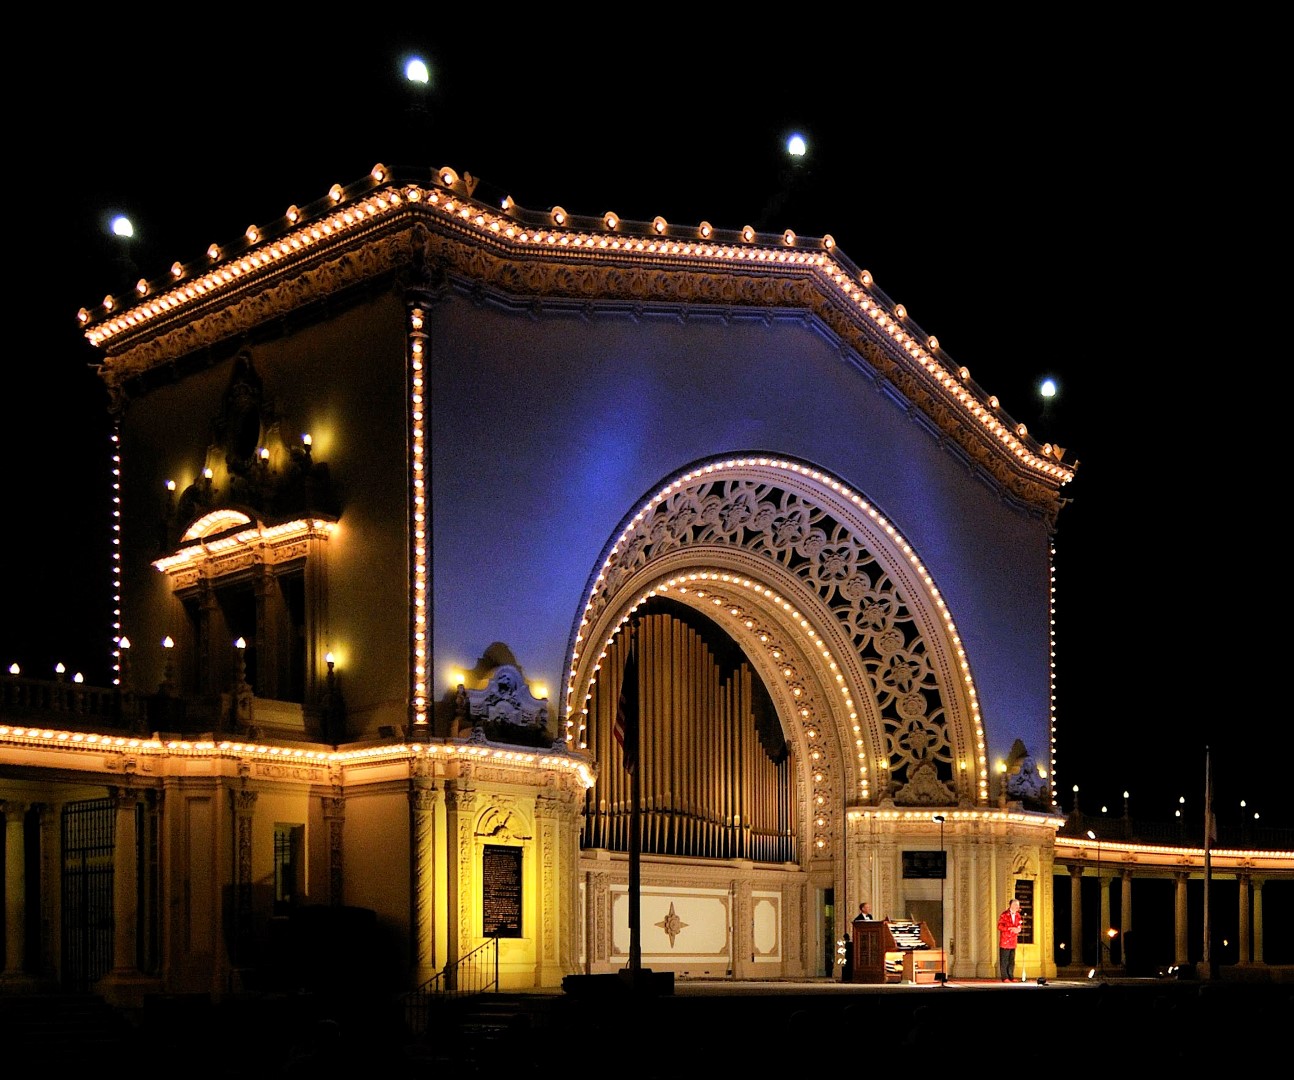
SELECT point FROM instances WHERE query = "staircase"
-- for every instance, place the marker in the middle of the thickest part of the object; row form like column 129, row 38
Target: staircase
column 489, row 1034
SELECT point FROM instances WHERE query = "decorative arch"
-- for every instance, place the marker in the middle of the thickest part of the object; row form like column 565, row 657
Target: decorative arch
column 831, row 605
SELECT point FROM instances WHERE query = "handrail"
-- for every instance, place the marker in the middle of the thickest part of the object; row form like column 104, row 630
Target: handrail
column 471, row 975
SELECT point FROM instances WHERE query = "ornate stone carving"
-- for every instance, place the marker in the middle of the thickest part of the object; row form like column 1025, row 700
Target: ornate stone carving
column 504, row 711
column 774, row 521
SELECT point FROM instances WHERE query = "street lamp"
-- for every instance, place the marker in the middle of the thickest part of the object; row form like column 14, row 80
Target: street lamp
column 941, row 976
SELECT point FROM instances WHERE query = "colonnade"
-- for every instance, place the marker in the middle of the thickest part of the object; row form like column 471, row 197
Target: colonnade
column 1250, row 926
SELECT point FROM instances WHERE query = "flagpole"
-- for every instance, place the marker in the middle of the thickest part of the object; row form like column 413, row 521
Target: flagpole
column 635, row 861
column 1208, row 865
column 628, row 734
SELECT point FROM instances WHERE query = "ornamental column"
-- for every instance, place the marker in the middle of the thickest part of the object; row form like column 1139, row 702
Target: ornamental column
column 334, row 815
column 1242, row 881
column 424, row 802
column 125, row 985
column 460, row 813
column 1125, row 914
column 244, row 805
column 556, row 912
column 15, row 892
column 125, row 896
column 1183, row 952
column 1258, row 920
column 1076, row 915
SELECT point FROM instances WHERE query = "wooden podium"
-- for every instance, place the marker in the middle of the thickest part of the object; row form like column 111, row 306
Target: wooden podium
column 895, row 950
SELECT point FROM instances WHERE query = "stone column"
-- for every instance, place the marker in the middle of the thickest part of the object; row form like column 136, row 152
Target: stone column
column 334, row 814
column 244, row 805
column 125, row 899
column 1242, row 880
column 1076, row 916
column 597, row 920
column 460, row 809
column 1125, row 915
column 125, row 985
column 424, row 800
column 557, row 836
column 1258, row 920
column 1179, row 919
column 743, row 938
column 15, row 892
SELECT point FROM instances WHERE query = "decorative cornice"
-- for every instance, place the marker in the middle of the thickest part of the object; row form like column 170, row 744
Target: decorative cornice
column 375, row 230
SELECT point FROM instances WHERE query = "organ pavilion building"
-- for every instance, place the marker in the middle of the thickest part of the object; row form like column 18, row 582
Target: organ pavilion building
column 404, row 473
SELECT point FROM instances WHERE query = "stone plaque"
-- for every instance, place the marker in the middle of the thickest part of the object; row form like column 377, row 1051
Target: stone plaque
column 501, row 891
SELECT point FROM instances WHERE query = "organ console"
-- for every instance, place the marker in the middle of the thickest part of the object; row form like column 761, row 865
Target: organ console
column 894, row 950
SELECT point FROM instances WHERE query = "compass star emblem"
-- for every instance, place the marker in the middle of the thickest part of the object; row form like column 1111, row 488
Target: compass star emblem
column 672, row 925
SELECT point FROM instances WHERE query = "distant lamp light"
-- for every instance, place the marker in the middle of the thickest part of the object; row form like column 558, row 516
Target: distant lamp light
column 932, row 343
column 170, row 485
column 124, row 643
column 416, row 71
column 213, row 252
column 335, row 193
column 141, row 287
column 747, row 233
column 78, row 678
column 59, row 669
column 447, row 176
column 330, row 660
column 177, row 269
column 167, row 642
column 14, row 669
column 207, row 474
column 378, row 173
column 829, row 242
column 610, row 220
column 559, row 216
column 788, row 238
column 1047, row 388
column 121, row 226
column 796, row 146
column 293, row 214
column 1091, row 835
column 659, row 225
column 253, row 234
column 240, row 643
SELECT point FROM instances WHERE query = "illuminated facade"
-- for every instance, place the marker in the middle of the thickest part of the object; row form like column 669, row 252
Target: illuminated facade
column 399, row 475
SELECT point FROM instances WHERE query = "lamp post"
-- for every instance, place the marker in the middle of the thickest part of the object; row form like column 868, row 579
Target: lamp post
column 1100, row 959
column 941, row 976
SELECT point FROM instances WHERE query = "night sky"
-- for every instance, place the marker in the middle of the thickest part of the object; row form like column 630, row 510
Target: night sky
column 1094, row 211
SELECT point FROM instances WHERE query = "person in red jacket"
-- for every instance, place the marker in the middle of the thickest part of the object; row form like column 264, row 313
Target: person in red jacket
column 1009, row 925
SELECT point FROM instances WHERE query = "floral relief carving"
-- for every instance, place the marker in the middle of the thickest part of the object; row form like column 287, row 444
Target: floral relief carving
column 806, row 539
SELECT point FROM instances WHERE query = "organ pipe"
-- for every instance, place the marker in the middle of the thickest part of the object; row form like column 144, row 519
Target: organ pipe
column 709, row 787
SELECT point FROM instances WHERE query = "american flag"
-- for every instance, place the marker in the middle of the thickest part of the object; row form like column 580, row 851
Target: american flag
column 626, row 725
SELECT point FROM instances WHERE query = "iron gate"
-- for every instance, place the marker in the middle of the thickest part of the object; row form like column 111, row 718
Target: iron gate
column 89, row 835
